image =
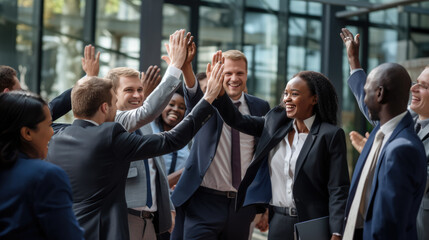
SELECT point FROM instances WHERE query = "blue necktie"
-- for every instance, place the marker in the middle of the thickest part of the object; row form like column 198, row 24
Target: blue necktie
column 146, row 167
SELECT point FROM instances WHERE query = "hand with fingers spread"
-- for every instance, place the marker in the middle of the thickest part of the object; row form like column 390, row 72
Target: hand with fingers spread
column 358, row 141
column 214, row 83
column 150, row 80
column 90, row 61
column 177, row 48
column 217, row 58
column 352, row 47
column 190, row 54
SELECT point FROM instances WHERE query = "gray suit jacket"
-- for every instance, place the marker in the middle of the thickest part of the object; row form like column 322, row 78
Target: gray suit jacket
column 135, row 189
column 423, row 215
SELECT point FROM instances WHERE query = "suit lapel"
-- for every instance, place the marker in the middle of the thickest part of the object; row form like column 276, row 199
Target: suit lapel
column 276, row 127
column 308, row 144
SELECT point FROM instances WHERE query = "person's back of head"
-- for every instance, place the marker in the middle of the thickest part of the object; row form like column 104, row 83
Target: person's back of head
column 91, row 95
column 390, row 82
column 8, row 79
column 18, row 109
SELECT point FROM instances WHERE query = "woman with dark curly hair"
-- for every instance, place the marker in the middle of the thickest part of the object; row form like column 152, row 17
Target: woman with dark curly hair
column 299, row 167
column 35, row 196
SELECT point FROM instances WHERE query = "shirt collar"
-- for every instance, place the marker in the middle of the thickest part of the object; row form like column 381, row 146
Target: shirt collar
column 308, row 123
column 96, row 124
column 390, row 125
column 423, row 122
column 241, row 100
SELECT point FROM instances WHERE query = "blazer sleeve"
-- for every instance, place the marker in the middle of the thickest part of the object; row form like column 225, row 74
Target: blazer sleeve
column 356, row 83
column 60, row 105
column 152, row 107
column 53, row 205
column 338, row 183
column 191, row 99
column 134, row 147
column 251, row 125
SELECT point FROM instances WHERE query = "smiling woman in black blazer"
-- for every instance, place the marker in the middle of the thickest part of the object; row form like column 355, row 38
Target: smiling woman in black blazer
column 305, row 176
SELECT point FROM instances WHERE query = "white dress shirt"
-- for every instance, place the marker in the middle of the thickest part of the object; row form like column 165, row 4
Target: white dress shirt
column 219, row 175
column 282, row 160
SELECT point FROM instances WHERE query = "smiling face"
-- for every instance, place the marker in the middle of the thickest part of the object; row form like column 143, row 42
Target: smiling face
column 129, row 93
column 39, row 137
column 174, row 112
column 420, row 95
column 298, row 99
column 235, row 77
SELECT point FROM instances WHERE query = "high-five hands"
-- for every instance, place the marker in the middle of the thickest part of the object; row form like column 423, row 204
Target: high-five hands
column 178, row 48
column 191, row 51
column 352, row 47
column 215, row 82
column 217, row 57
column 150, row 80
column 90, row 61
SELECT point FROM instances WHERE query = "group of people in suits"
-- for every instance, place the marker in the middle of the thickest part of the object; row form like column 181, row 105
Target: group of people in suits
column 103, row 177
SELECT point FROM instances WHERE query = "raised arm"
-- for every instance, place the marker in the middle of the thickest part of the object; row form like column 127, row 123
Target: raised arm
column 357, row 79
column 155, row 103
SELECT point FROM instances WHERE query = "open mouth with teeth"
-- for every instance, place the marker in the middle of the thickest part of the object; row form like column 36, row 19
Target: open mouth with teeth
column 290, row 108
column 172, row 116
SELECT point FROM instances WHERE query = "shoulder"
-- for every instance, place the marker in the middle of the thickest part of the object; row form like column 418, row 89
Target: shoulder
column 330, row 130
column 42, row 170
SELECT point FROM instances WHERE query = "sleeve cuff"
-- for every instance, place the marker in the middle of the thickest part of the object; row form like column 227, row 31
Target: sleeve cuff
column 355, row 70
column 193, row 89
column 175, row 72
column 337, row 234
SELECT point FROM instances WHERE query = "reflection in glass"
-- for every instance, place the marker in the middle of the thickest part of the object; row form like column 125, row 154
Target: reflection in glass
column 216, row 32
column 384, row 47
column 174, row 17
column 118, row 30
column 261, row 50
column 264, row 4
column 304, row 45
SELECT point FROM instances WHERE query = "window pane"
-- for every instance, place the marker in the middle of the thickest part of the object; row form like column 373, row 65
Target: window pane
column 383, row 47
column 64, row 16
column 267, row 4
column 174, row 17
column 118, row 28
column 304, row 45
column 261, row 40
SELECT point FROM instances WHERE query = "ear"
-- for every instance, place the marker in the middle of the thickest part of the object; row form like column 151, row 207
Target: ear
column 26, row 134
column 104, row 107
column 314, row 100
column 380, row 94
column 6, row 90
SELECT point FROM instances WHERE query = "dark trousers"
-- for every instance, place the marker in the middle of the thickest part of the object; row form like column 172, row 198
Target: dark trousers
column 282, row 227
column 210, row 217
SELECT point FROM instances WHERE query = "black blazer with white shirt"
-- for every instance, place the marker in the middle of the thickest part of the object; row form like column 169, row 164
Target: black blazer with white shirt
column 321, row 180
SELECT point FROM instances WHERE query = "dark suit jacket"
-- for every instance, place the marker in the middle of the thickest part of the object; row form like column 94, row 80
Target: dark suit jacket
column 60, row 105
column 96, row 159
column 204, row 146
column 399, row 179
column 321, row 180
column 36, row 202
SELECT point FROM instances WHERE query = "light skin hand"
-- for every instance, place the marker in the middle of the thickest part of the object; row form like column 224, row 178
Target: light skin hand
column 214, row 83
column 217, row 57
column 177, row 48
column 90, row 61
column 352, row 47
column 358, row 141
column 150, row 80
column 173, row 221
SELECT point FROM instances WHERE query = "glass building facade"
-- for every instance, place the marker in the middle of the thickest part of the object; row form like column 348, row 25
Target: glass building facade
column 44, row 40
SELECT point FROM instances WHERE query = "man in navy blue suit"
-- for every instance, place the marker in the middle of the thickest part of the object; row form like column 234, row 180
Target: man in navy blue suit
column 205, row 194
column 387, row 198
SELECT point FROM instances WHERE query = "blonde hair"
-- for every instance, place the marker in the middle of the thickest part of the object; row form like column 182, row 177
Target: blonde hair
column 116, row 73
column 235, row 55
column 87, row 96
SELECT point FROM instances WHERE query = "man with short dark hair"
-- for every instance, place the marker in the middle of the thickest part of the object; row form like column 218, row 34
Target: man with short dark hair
column 390, row 175
column 8, row 79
